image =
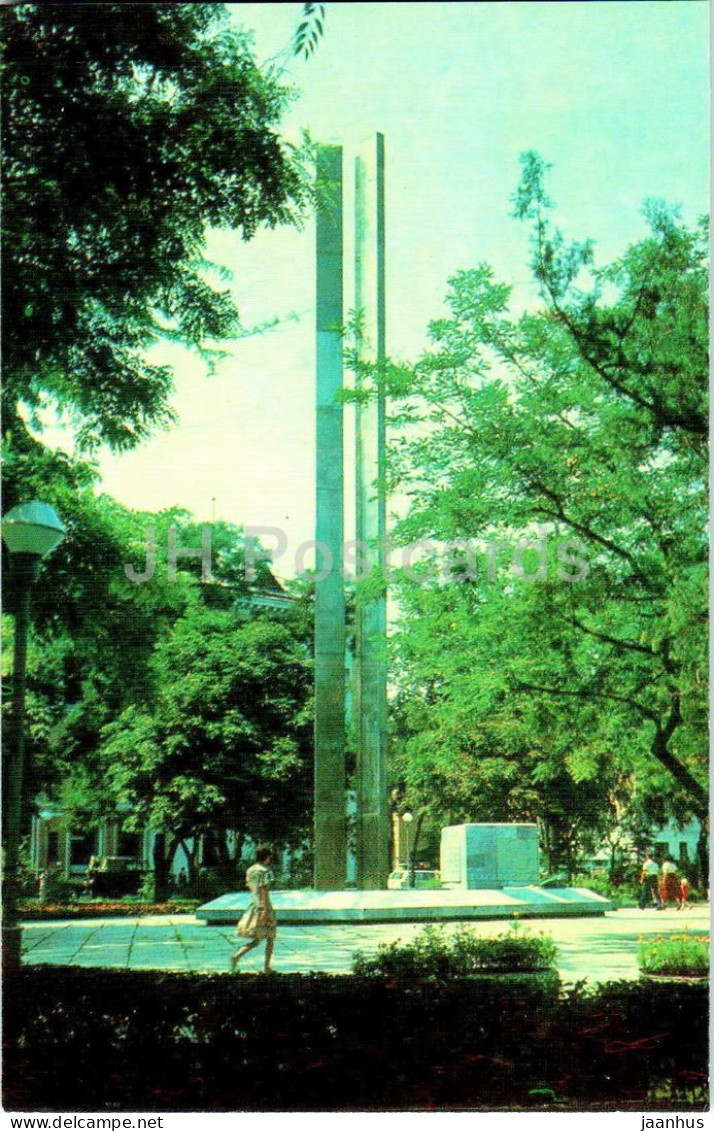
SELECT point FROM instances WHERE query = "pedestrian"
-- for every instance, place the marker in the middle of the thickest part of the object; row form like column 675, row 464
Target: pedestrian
column 258, row 923
column 683, row 893
column 669, row 887
column 649, row 887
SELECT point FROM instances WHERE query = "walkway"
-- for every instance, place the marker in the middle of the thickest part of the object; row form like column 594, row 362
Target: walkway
column 598, row 949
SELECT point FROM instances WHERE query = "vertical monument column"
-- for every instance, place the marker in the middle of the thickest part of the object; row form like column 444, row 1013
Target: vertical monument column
column 371, row 616
column 330, row 867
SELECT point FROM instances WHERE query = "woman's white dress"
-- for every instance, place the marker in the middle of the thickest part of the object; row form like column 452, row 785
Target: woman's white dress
column 250, row 925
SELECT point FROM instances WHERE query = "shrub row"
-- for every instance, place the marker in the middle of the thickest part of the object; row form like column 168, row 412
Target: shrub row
column 33, row 911
column 437, row 954
column 89, row 1040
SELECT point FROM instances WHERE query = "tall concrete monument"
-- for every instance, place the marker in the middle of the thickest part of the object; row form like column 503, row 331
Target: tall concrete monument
column 370, row 517
column 372, row 825
column 330, row 822
column 488, row 871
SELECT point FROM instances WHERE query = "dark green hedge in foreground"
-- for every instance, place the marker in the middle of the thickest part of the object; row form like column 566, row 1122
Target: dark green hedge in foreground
column 97, row 1040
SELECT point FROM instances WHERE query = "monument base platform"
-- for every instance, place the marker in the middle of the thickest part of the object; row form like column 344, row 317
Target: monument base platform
column 412, row 906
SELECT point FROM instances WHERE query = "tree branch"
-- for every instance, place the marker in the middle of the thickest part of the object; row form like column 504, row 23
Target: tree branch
column 690, row 422
column 560, row 691
column 581, row 527
column 631, row 645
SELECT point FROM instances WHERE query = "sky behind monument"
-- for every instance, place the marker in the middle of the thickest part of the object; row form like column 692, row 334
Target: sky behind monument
column 614, row 95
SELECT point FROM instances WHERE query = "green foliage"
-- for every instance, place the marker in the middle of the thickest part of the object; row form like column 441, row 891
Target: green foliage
column 300, row 873
column 105, row 258
column 436, row 953
column 685, row 954
column 103, row 650
column 155, row 1041
column 94, row 633
column 550, row 655
column 619, row 892
column 147, row 886
column 130, row 907
column 309, row 30
column 121, row 148
column 222, row 738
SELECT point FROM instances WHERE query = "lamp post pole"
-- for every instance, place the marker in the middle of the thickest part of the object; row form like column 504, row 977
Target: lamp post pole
column 30, row 532
column 407, row 818
column 26, row 568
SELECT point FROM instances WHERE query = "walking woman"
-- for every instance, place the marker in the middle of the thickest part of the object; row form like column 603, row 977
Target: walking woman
column 669, row 887
column 258, row 922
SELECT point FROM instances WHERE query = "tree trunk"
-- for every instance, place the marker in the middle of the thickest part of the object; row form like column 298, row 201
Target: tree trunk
column 221, row 847
column 192, row 857
column 238, row 848
column 171, row 856
column 703, row 853
column 161, row 869
column 663, row 754
column 555, row 849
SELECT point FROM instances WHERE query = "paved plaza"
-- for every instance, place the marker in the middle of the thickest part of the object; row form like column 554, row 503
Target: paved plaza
column 597, row 949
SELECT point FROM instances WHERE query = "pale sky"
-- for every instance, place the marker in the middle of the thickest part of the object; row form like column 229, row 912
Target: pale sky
column 614, row 95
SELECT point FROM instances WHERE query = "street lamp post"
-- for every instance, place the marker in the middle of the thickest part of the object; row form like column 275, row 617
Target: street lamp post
column 31, row 531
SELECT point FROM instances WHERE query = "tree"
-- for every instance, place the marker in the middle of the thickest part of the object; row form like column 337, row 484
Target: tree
column 93, row 634
column 96, row 632
column 128, row 130
column 584, row 422
column 222, row 740
column 471, row 747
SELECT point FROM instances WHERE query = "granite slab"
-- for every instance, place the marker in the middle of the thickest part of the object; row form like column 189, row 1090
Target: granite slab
column 411, row 906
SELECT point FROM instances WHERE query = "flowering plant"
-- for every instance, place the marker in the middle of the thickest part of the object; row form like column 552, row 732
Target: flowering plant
column 683, row 953
column 34, row 910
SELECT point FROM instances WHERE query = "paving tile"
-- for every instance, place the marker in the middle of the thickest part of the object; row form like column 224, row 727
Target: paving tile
column 105, row 948
column 156, row 942
column 595, row 949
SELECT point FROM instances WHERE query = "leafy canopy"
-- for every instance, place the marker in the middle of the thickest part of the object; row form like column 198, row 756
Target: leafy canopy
column 223, row 739
column 578, row 428
column 129, row 128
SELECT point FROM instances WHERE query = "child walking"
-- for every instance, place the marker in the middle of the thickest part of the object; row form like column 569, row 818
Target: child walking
column 258, row 923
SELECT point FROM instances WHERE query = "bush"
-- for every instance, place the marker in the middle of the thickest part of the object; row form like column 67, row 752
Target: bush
column 129, row 907
column 95, row 1040
column 685, row 954
column 212, row 882
column 147, row 885
column 625, row 893
column 299, row 875
column 436, row 954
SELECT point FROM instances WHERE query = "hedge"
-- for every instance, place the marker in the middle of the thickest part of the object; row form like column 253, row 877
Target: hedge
column 92, row 1040
column 36, row 912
